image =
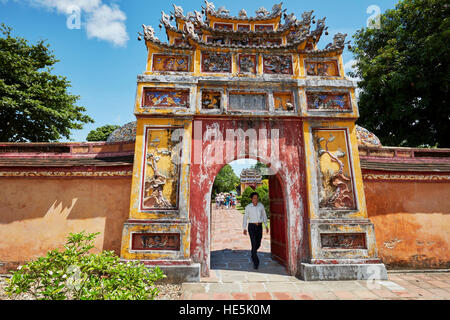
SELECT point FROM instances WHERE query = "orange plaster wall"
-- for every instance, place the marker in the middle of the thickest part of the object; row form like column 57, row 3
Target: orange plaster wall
column 37, row 214
column 412, row 222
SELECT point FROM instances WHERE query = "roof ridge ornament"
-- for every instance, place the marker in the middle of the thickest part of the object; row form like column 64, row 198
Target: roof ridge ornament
column 149, row 33
column 178, row 11
column 198, row 18
column 191, row 30
column 223, row 12
column 209, row 7
column 262, row 12
column 243, row 14
column 338, row 42
column 277, row 9
column 165, row 19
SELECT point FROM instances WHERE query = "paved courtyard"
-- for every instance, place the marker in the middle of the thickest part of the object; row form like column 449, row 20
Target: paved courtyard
column 232, row 276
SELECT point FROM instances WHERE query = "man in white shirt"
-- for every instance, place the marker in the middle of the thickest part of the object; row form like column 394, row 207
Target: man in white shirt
column 255, row 215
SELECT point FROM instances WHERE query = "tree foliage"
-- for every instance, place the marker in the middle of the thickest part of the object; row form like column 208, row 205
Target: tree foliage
column 226, row 180
column 245, row 197
column 404, row 71
column 35, row 105
column 101, row 133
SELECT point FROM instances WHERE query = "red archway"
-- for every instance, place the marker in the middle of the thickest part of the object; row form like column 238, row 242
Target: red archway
column 210, row 139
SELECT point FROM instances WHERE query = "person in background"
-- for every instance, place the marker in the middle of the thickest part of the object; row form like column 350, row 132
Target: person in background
column 217, row 199
column 254, row 217
column 227, row 201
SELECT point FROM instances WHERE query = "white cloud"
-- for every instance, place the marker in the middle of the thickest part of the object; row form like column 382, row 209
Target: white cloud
column 101, row 21
column 108, row 23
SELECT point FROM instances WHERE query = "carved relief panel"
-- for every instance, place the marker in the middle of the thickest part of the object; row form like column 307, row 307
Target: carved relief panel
column 162, row 62
column 329, row 101
column 284, row 101
column 243, row 27
column 161, row 168
column 343, row 240
column 263, row 28
column 247, row 63
column 165, row 98
column 277, row 64
column 211, row 100
column 223, row 26
column 335, row 178
column 322, row 68
column 216, row 62
column 155, row 241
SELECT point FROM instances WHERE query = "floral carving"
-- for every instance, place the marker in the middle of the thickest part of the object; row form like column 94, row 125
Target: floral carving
column 156, row 183
column 328, row 101
column 156, row 241
column 247, row 63
column 277, row 64
column 322, row 69
column 216, row 62
column 170, row 63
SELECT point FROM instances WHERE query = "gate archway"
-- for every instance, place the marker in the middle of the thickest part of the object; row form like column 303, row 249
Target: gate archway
column 277, row 144
column 218, row 82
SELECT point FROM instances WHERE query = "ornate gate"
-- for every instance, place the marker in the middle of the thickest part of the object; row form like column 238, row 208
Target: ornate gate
column 225, row 88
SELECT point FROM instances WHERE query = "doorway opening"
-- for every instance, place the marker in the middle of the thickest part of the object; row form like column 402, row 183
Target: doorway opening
column 230, row 249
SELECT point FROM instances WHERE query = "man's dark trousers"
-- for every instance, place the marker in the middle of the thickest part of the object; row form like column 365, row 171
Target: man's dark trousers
column 255, row 232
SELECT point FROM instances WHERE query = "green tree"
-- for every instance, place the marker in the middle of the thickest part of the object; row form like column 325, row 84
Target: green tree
column 404, row 71
column 35, row 105
column 261, row 166
column 245, row 198
column 101, row 133
column 263, row 194
column 226, row 180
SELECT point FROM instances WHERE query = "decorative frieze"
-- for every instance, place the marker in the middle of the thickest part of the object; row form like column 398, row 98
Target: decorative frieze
column 328, row 101
column 243, row 27
column 322, row 68
column 161, row 168
column 277, row 64
column 166, row 98
column 121, row 173
column 223, row 26
column 343, row 240
column 247, row 63
column 334, row 169
column 284, row 101
column 155, row 241
column 216, row 62
column 406, row 177
column 263, row 28
column 211, row 100
column 163, row 62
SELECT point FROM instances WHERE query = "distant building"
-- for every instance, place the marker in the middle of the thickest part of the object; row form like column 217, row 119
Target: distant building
column 250, row 178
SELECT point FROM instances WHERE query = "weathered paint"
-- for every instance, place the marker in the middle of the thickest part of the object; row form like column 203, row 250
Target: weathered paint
column 290, row 171
column 412, row 222
column 38, row 213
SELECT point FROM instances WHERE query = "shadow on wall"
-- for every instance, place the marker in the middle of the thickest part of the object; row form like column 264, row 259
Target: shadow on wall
column 37, row 214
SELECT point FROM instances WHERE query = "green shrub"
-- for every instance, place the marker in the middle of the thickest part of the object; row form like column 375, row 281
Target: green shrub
column 76, row 274
column 264, row 198
column 245, row 198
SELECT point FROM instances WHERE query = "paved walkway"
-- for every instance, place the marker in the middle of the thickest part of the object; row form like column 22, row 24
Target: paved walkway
column 233, row 278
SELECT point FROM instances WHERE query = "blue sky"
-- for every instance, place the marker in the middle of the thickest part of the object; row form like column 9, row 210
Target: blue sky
column 103, row 57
